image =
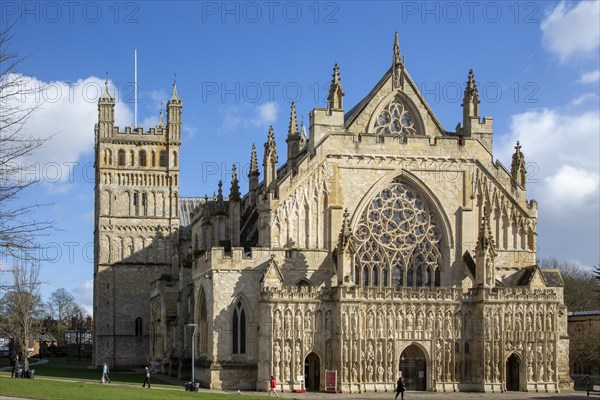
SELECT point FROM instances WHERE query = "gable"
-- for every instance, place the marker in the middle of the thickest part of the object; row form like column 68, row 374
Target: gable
column 363, row 117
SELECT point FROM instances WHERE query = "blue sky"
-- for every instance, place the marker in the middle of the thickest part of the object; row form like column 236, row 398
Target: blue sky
column 240, row 64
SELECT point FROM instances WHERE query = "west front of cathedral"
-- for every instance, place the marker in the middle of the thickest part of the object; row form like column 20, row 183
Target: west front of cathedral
column 377, row 244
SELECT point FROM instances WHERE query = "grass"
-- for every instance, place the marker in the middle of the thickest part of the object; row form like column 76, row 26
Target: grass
column 74, row 380
column 57, row 390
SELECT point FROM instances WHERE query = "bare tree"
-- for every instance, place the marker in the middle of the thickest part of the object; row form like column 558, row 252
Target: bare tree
column 22, row 307
column 581, row 287
column 18, row 227
column 61, row 304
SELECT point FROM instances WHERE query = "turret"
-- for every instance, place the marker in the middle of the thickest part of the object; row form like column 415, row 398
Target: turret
column 472, row 126
column 270, row 161
column 485, row 255
column 345, row 252
column 253, row 175
column 517, row 168
column 293, row 140
column 234, row 208
column 470, row 103
column 106, row 113
column 334, row 100
column 174, row 115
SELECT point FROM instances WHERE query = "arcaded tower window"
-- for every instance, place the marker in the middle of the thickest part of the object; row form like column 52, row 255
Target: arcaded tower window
column 121, row 158
column 398, row 231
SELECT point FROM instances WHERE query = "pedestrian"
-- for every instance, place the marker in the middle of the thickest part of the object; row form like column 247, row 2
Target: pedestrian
column 400, row 388
column 16, row 366
column 273, row 385
column 105, row 373
column 146, row 377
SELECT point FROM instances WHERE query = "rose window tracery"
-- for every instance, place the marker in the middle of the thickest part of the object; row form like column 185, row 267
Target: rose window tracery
column 398, row 235
column 395, row 119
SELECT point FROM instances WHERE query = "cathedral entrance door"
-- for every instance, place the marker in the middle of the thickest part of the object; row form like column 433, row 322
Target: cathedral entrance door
column 414, row 368
column 512, row 373
column 312, row 370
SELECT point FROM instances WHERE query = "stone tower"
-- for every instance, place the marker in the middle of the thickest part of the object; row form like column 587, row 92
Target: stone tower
column 136, row 215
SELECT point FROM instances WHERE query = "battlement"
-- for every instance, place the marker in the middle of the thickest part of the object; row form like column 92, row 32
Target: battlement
column 152, row 134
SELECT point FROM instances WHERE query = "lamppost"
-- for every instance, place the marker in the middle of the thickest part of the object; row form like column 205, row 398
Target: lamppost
column 193, row 353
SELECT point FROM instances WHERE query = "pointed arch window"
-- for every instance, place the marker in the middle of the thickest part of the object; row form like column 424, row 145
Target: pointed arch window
column 239, row 329
column 437, row 281
column 375, row 276
column 121, row 158
column 365, row 281
column 384, row 277
column 142, row 158
column 398, row 228
column 356, row 275
column 162, row 159
column 395, row 119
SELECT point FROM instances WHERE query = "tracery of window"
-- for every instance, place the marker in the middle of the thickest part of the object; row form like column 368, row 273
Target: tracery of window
column 398, row 230
column 395, row 119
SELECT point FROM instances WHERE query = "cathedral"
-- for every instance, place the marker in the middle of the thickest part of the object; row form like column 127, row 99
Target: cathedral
column 372, row 245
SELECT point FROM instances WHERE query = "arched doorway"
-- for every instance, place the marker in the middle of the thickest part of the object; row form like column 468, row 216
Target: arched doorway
column 413, row 368
column 312, row 371
column 512, row 373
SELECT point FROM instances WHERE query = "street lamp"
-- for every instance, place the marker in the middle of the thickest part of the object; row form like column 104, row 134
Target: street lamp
column 193, row 353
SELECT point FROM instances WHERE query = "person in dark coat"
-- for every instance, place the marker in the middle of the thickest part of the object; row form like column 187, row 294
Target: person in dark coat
column 146, row 378
column 400, row 388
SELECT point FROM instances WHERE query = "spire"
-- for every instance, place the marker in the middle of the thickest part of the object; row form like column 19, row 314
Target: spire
column 485, row 239
column 471, row 93
column 293, row 128
column 253, row 162
column 219, row 198
column 517, row 168
column 397, row 66
column 345, row 238
column 270, row 147
column 303, row 135
column 106, row 94
column 334, row 100
column 161, row 121
column 174, row 96
column 234, row 192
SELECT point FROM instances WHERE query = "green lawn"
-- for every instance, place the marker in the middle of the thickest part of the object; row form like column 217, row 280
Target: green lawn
column 55, row 390
column 84, row 384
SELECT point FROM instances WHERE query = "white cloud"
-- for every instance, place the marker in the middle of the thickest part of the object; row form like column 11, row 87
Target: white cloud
column 590, row 77
column 562, row 156
column 267, row 114
column 84, row 296
column 248, row 115
column 66, row 114
column 572, row 30
column 583, row 98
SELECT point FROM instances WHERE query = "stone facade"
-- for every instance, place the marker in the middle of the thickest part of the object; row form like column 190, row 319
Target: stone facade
column 136, row 220
column 382, row 245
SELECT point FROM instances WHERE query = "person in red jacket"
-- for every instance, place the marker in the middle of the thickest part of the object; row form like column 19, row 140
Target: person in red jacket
column 272, row 385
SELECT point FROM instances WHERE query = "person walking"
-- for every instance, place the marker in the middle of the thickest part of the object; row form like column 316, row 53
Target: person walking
column 146, row 377
column 16, row 366
column 400, row 388
column 273, row 385
column 105, row 373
